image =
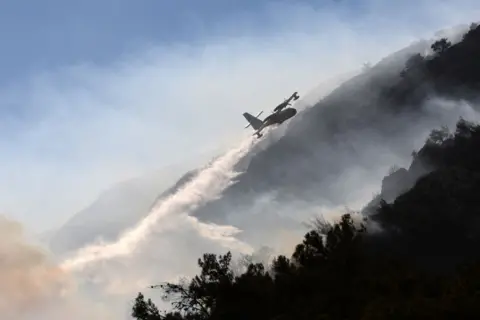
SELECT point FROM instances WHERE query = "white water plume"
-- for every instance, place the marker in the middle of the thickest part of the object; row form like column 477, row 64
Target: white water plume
column 207, row 185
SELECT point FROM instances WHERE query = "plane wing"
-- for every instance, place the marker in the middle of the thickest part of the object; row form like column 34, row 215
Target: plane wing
column 286, row 102
column 295, row 96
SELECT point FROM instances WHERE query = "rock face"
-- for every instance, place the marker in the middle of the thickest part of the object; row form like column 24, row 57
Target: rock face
column 396, row 183
column 401, row 180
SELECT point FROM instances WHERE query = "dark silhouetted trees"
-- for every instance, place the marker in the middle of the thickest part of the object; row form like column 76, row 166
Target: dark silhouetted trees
column 441, row 46
column 145, row 309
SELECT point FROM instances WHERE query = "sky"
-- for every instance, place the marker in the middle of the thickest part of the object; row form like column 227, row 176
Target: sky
column 96, row 92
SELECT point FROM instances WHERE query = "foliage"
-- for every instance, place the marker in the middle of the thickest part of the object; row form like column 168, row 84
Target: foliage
column 441, row 46
column 145, row 310
column 438, row 136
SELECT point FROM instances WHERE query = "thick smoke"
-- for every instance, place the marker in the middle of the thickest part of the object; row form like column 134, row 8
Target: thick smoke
column 27, row 278
column 32, row 286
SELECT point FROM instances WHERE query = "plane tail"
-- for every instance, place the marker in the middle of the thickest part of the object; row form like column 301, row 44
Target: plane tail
column 253, row 121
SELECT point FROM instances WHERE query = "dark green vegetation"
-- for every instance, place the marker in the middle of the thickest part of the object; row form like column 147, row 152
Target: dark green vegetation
column 424, row 264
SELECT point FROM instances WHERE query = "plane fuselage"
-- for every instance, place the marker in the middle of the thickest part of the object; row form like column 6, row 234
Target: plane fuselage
column 276, row 118
column 279, row 117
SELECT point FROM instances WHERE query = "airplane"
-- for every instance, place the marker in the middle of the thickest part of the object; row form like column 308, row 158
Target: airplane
column 278, row 116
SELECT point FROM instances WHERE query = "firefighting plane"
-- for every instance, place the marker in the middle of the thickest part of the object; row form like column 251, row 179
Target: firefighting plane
column 280, row 114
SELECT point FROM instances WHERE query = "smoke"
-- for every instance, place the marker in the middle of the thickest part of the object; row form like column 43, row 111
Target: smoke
column 173, row 212
column 32, row 286
column 27, row 278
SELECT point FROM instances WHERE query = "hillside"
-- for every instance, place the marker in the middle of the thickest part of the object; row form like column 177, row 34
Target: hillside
column 415, row 256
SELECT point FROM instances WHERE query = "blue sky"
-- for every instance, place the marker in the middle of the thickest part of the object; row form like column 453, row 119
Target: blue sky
column 47, row 34
column 95, row 92
column 40, row 35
